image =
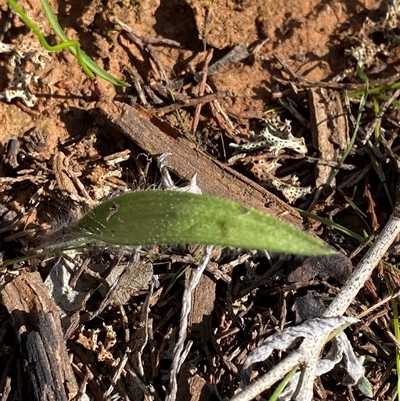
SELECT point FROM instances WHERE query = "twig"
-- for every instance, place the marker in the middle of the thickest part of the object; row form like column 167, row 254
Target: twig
column 146, row 39
column 309, row 159
column 312, row 335
column 331, row 163
column 269, row 379
column 202, row 87
column 135, row 377
column 132, row 264
column 117, row 374
column 206, row 22
column 306, row 83
column 387, row 148
column 138, row 83
column 27, row 109
column 189, row 102
column 145, row 44
column 290, row 105
column 221, row 117
column 238, row 53
column 287, row 68
column 160, row 66
column 379, row 304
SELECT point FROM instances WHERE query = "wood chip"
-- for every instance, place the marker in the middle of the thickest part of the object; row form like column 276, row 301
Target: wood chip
column 60, row 169
column 192, row 387
column 203, row 301
column 35, row 318
column 330, row 131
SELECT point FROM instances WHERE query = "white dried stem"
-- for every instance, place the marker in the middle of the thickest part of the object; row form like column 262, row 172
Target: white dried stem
column 336, row 309
column 186, row 307
column 312, row 335
column 278, row 372
column 367, row 264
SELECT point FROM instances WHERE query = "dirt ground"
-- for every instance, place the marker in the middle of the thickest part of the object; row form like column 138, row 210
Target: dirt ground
column 311, row 37
column 65, row 149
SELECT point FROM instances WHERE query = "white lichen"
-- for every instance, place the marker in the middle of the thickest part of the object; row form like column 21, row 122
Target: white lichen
column 21, row 58
column 366, row 51
column 276, row 135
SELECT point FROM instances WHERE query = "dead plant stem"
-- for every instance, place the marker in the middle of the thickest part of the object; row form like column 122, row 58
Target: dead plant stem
column 367, row 264
column 186, row 307
column 337, row 308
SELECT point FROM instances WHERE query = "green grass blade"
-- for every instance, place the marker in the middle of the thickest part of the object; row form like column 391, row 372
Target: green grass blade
column 68, row 44
column 388, row 195
column 83, row 58
column 169, row 217
column 87, row 64
column 278, row 391
column 377, row 128
column 53, row 21
column 385, row 98
column 363, row 102
column 376, row 90
column 331, row 224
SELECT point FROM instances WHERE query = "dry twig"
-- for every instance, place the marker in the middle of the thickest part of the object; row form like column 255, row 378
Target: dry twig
column 202, row 87
column 197, row 101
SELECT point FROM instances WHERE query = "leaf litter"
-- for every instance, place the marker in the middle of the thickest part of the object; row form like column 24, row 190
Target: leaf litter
column 254, row 298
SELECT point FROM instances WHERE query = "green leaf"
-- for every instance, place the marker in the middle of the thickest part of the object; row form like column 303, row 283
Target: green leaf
column 365, row 386
column 87, row 64
column 170, row 217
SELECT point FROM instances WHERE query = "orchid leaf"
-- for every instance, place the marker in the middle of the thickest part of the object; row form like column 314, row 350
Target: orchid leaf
column 170, row 217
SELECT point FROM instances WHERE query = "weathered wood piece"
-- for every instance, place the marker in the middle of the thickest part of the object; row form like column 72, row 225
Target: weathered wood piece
column 35, row 317
column 203, row 302
column 156, row 137
column 330, row 132
column 192, row 387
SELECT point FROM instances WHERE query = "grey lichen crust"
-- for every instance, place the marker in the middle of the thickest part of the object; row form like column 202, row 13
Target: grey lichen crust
column 24, row 61
column 366, row 51
column 276, row 135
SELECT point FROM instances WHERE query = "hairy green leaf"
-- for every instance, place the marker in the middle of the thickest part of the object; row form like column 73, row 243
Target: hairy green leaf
column 169, row 217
